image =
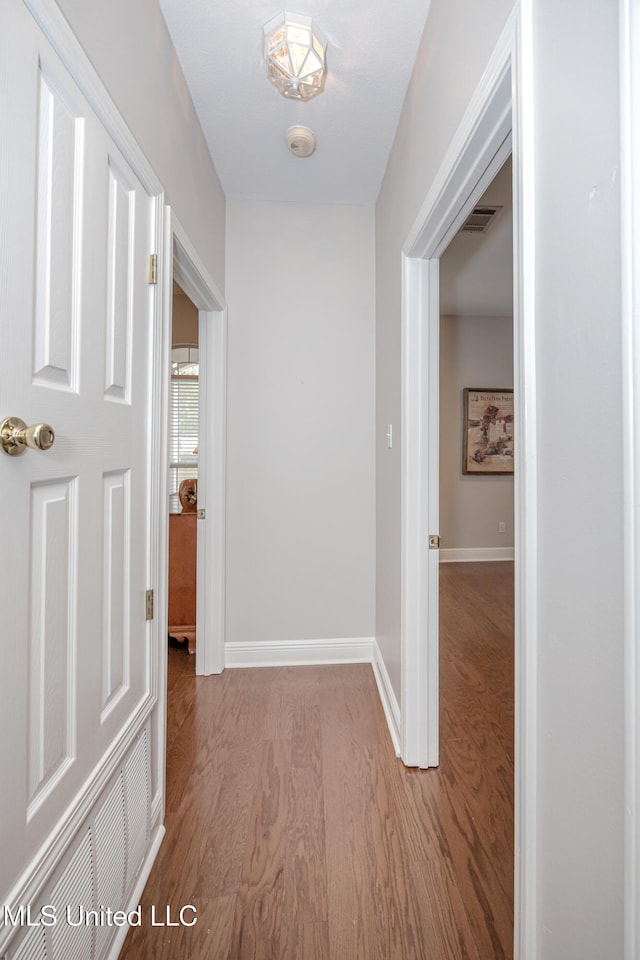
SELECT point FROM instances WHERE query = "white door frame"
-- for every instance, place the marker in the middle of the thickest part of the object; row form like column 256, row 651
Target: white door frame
column 499, row 121
column 630, row 213
column 185, row 266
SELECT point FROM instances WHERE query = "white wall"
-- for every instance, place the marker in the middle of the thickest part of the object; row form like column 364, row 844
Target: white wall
column 474, row 352
column 130, row 48
column 580, row 524
column 301, row 478
column 578, row 510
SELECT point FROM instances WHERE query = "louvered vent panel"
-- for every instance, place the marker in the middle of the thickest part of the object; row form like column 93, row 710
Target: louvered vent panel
column 32, row 946
column 110, row 846
column 480, row 219
column 74, row 889
column 107, row 859
column 137, row 793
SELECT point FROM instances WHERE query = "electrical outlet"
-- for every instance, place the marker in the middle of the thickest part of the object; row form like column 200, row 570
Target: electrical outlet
column 502, row 527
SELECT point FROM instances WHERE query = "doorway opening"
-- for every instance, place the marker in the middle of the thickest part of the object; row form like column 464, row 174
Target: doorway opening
column 476, row 446
column 183, row 470
column 498, row 123
column 476, row 355
column 183, row 266
column 191, row 276
column 476, row 519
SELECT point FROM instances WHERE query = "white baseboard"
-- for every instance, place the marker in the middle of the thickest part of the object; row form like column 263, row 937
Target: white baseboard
column 475, row 554
column 390, row 704
column 296, row 653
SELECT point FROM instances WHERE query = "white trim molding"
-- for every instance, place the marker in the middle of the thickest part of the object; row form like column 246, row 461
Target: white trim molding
column 419, row 597
column 296, row 653
column 630, row 247
column 475, row 554
column 388, row 698
column 525, row 492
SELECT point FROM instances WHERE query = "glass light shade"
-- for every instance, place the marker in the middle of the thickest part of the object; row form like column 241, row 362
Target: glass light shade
column 295, row 56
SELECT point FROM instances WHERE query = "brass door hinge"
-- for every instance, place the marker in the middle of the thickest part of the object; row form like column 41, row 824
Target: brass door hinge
column 153, row 268
column 149, row 605
column 434, row 541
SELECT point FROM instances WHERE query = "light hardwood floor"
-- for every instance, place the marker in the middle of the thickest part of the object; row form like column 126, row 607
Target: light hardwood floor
column 298, row 835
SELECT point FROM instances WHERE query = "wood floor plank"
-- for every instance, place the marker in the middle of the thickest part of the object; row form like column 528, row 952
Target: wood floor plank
column 227, row 834
column 306, row 939
column 209, row 937
column 449, row 932
column 488, row 908
column 372, row 909
column 486, row 783
column 305, row 876
column 289, row 690
column 258, row 927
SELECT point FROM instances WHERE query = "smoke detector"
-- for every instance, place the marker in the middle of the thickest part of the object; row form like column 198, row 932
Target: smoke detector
column 301, row 141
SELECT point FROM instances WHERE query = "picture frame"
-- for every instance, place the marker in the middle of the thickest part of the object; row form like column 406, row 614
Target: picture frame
column 487, row 431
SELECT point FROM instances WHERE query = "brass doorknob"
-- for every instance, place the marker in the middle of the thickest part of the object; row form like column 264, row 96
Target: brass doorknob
column 16, row 436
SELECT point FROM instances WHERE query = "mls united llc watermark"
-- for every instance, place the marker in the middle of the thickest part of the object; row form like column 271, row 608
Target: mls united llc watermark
column 49, row 915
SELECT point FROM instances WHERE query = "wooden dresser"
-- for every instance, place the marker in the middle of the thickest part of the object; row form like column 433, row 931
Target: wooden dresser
column 182, row 577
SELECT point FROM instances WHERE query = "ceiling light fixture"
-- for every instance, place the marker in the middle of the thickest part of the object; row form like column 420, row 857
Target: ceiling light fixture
column 295, row 55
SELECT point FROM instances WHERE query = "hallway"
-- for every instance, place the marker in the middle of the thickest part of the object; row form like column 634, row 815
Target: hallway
column 296, row 833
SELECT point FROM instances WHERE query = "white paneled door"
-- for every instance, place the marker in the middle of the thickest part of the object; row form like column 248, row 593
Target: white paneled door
column 77, row 230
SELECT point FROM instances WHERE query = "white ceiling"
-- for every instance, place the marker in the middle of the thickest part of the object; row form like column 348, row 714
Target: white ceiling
column 370, row 56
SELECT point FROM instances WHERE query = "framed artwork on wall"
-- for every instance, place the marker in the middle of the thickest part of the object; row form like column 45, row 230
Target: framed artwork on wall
column 487, row 431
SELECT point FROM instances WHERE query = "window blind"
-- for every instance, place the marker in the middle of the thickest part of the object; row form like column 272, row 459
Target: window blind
column 183, row 434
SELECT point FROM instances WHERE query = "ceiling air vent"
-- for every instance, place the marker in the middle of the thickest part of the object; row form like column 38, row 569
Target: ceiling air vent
column 480, row 219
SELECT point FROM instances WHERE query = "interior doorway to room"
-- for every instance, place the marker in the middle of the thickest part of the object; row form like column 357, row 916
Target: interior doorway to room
column 193, row 278
column 476, row 512
column 476, row 499
column 206, row 326
column 184, row 393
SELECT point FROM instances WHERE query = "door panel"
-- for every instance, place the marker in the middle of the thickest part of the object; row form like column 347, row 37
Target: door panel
column 116, row 635
column 59, row 162
column 52, row 636
column 75, row 352
column 120, row 273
